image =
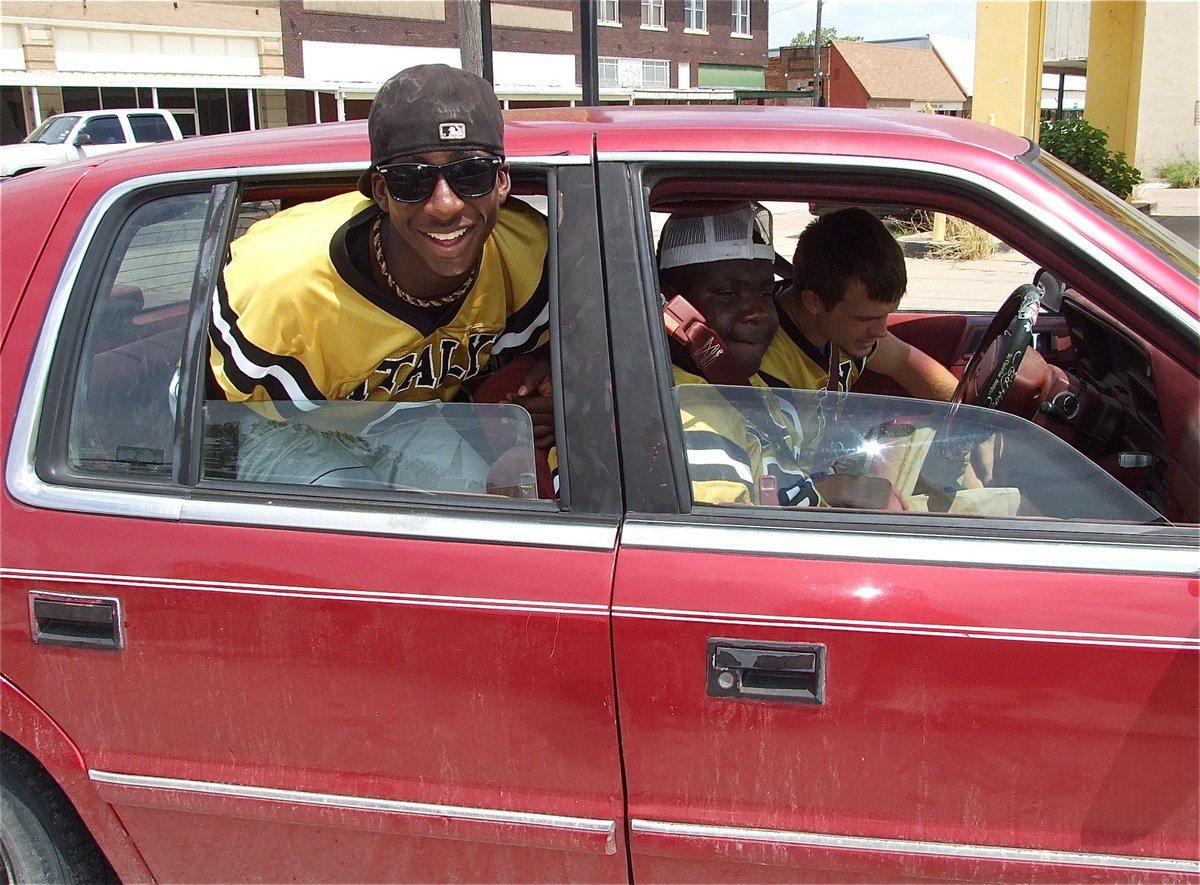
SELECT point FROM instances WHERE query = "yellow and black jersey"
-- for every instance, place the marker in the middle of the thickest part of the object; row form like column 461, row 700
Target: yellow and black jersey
column 297, row 318
column 733, row 442
column 793, row 361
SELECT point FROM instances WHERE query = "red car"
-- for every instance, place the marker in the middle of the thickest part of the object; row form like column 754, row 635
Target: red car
column 212, row 678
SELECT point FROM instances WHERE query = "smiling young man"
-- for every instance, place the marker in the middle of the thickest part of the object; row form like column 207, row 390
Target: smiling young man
column 849, row 277
column 403, row 290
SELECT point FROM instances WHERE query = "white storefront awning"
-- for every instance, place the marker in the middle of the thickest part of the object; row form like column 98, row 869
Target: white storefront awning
column 160, row 81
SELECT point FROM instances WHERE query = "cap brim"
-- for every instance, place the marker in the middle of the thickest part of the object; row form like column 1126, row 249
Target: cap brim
column 364, row 182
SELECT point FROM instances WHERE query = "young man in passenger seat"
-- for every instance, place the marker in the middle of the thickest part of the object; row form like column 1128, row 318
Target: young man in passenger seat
column 849, row 276
column 741, row 449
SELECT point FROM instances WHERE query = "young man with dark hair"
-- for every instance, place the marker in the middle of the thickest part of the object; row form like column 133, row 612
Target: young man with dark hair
column 849, row 276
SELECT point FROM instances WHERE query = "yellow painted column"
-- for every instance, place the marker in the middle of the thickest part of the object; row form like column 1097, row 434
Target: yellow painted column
column 1114, row 72
column 1010, row 36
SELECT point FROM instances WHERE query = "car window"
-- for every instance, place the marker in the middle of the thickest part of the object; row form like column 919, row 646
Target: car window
column 126, row 408
column 866, row 451
column 123, row 415
column 1074, row 427
column 53, row 130
column 104, row 130
column 149, row 128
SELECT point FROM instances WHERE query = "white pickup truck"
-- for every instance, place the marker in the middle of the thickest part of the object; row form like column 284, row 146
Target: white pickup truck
column 73, row 136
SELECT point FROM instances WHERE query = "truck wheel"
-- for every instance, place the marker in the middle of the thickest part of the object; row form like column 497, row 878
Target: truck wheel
column 42, row 839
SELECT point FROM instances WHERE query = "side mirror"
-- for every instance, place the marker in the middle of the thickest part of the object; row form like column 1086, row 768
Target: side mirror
column 82, row 139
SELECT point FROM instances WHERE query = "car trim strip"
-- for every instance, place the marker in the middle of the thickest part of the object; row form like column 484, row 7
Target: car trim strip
column 1010, row 634
column 282, row 590
column 661, row 158
column 906, row 544
column 147, row 786
column 907, row 846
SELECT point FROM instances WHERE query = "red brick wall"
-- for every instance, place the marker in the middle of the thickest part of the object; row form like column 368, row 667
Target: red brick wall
column 844, row 89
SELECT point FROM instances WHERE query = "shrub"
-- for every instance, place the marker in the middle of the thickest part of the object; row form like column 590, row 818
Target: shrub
column 1180, row 173
column 1082, row 146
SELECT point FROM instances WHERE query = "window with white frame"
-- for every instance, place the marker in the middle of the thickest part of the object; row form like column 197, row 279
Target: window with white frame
column 741, row 18
column 656, row 74
column 652, row 14
column 633, row 73
column 607, row 12
column 608, row 72
column 695, row 15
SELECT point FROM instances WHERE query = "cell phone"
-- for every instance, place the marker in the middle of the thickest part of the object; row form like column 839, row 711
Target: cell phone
column 707, row 349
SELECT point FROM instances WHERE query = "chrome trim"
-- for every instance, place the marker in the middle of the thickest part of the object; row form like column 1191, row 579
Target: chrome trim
column 532, row 606
column 361, row 803
column 1152, row 295
column 957, row 631
column 907, row 544
column 549, row 528
column 906, row 846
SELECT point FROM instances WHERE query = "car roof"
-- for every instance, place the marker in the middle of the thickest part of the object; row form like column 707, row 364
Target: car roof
column 566, row 132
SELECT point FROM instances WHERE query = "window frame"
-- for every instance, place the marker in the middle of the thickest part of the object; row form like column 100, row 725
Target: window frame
column 608, row 13
column 739, row 14
column 654, row 16
column 952, row 189
column 50, row 481
column 695, row 16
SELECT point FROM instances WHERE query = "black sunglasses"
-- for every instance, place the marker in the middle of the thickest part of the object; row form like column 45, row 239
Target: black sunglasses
column 414, row 182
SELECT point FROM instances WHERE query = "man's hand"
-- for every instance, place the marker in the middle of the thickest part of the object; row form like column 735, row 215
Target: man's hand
column 536, row 396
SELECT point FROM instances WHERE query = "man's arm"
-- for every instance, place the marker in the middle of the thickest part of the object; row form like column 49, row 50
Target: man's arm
column 914, row 370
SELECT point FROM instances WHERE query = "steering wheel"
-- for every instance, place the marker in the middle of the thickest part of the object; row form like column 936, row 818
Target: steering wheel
column 1000, row 352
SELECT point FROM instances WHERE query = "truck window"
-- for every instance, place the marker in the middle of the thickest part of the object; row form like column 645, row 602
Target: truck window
column 149, row 128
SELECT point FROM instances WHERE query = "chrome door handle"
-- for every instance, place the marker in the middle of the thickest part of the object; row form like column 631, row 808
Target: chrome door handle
column 793, row 672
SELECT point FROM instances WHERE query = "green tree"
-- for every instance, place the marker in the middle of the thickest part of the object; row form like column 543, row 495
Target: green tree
column 805, row 38
column 1084, row 148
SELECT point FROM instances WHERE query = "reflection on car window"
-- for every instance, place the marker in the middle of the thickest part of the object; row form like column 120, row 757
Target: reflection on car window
column 880, row 452
column 123, row 414
column 471, row 448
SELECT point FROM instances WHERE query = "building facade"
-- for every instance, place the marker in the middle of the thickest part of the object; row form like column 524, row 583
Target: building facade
column 227, row 65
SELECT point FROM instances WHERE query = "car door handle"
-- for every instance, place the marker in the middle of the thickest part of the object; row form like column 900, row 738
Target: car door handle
column 75, row 621
column 793, row 672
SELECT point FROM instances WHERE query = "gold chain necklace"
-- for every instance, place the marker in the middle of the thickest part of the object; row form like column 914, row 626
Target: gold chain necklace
column 381, row 262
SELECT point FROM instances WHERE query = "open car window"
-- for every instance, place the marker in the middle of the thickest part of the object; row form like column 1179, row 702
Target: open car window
column 866, row 451
column 1084, row 426
column 130, row 420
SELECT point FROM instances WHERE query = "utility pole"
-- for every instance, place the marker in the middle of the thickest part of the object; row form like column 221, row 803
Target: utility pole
column 817, row 59
column 476, row 50
column 471, row 34
column 588, row 58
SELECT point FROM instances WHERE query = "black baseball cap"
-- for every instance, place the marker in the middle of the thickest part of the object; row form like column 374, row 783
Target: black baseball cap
column 432, row 108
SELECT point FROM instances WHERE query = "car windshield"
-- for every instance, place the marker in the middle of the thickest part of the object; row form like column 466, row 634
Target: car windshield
column 1173, row 248
column 52, row 131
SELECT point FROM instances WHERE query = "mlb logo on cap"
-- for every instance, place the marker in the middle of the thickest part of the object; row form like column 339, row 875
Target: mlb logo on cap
column 453, row 131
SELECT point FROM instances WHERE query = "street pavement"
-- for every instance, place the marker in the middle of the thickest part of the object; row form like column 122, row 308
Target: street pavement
column 1177, row 209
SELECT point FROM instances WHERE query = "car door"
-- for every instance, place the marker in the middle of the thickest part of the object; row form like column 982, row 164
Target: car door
column 282, row 682
column 847, row 695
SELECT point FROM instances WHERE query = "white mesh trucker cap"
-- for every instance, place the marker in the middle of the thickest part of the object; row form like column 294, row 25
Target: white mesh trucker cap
column 744, row 232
